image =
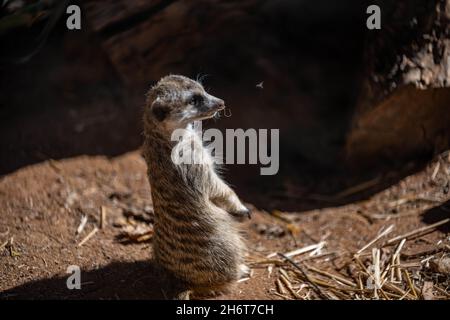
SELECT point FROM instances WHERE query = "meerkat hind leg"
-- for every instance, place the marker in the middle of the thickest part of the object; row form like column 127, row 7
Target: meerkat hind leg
column 184, row 295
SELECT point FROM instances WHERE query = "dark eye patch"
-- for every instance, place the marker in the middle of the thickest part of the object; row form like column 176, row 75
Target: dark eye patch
column 196, row 100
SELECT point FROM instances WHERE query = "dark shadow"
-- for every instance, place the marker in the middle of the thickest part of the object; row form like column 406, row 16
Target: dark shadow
column 66, row 101
column 118, row 280
column 71, row 99
column 437, row 214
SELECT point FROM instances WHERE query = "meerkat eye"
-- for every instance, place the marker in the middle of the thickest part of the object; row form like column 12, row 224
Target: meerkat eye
column 196, row 100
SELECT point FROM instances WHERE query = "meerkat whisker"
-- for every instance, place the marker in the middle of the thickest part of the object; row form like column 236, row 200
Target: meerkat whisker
column 225, row 113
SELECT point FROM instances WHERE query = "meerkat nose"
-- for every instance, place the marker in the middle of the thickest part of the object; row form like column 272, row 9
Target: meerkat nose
column 220, row 104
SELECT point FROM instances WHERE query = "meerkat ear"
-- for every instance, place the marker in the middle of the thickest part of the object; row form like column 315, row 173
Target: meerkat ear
column 159, row 110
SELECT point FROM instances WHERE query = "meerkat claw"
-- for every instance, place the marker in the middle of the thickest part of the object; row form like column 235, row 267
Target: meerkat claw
column 248, row 213
column 241, row 214
column 244, row 271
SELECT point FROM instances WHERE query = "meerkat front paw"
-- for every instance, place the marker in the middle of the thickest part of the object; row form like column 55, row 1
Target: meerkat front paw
column 244, row 271
column 241, row 213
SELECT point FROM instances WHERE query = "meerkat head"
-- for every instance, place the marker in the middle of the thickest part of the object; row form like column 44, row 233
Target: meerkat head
column 175, row 101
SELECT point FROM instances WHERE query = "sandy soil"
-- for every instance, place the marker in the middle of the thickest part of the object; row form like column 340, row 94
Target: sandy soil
column 42, row 206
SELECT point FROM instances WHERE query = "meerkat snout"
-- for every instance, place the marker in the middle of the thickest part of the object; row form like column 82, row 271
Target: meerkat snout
column 207, row 105
column 187, row 99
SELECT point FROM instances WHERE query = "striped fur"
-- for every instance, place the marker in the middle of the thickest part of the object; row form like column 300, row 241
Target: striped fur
column 196, row 234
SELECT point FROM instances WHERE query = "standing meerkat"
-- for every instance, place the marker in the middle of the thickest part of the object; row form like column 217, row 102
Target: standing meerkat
column 196, row 238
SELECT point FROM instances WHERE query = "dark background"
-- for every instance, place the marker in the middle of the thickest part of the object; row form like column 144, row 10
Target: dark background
column 82, row 92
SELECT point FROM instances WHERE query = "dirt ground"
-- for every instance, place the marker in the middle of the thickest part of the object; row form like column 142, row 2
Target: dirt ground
column 42, row 206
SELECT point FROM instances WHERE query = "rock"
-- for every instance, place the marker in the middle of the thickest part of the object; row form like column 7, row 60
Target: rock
column 402, row 110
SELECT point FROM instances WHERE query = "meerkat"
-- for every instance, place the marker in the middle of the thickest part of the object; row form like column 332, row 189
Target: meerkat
column 196, row 236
